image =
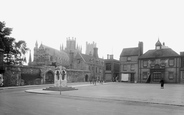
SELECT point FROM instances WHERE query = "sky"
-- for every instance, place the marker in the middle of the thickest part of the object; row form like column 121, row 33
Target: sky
column 111, row 24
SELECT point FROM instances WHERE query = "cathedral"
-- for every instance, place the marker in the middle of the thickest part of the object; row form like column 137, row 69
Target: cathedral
column 70, row 57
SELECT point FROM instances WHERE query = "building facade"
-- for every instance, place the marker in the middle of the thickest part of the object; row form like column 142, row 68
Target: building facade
column 159, row 63
column 182, row 68
column 46, row 56
column 129, row 63
column 112, row 68
column 91, row 63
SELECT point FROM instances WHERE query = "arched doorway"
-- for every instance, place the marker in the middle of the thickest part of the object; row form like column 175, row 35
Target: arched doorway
column 49, row 77
column 86, row 78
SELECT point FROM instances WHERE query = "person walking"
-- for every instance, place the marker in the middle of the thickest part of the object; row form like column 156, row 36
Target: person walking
column 162, row 83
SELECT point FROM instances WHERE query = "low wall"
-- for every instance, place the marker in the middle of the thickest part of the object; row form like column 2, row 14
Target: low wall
column 33, row 75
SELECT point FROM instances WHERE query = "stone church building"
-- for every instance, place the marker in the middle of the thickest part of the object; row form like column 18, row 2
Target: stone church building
column 79, row 66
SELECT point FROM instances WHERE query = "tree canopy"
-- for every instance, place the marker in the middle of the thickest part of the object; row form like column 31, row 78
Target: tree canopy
column 14, row 52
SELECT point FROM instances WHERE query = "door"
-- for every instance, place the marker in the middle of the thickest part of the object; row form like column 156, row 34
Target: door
column 86, row 78
column 157, row 76
column 132, row 78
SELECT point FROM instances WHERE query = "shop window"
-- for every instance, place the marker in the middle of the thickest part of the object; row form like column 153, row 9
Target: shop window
column 171, row 76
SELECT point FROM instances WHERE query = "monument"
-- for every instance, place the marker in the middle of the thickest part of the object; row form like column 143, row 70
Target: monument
column 60, row 77
column 60, row 80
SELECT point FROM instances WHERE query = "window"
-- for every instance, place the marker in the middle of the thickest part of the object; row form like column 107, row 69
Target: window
column 171, row 75
column 132, row 67
column 128, row 58
column 145, row 75
column 108, row 66
column 78, row 61
column 124, row 67
column 171, row 62
column 145, row 63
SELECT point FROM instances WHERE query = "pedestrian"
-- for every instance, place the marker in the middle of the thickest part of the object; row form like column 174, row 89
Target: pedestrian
column 162, row 83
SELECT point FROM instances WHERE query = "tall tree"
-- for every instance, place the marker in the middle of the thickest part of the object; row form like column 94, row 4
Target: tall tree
column 14, row 52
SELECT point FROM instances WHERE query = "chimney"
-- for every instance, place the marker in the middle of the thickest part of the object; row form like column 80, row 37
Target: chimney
column 181, row 53
column 140, row 48
column 111, row 56
column 107, row 56
column 95, row 53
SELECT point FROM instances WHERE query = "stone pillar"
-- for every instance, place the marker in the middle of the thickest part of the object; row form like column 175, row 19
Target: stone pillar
column 60, row 77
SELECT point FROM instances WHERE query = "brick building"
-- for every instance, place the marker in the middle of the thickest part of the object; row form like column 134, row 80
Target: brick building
column 159, row 63
column 112, row 68
column 129, row 63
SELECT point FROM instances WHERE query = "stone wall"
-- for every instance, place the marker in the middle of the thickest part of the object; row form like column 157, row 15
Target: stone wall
column 32, row 75
column 12, row 76
column 76, row 75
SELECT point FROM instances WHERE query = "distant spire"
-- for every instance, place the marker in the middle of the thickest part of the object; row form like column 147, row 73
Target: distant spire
column 60, row 47
column 36, row 44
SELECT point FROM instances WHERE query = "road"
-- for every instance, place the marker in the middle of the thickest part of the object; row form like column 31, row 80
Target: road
column 17, row 102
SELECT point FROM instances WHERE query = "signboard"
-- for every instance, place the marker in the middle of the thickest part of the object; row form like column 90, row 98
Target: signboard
column 124, row 77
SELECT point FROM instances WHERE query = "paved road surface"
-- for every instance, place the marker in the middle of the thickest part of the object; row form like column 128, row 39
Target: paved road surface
column 17, row 102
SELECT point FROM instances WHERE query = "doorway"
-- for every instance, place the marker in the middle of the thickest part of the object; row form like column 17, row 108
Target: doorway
column 86, row 78
column 157, row 76
column 49, row 77
column 132, row 78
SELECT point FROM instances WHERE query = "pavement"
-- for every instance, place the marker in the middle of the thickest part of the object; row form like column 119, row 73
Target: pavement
column 172, row 94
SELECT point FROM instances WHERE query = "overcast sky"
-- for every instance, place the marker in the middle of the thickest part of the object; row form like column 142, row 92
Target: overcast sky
column 112, row 24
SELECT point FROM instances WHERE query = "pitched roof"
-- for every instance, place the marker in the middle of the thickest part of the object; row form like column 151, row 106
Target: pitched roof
column 55, row 52
column 159, row 53
column 86, row 58
column 130, row 51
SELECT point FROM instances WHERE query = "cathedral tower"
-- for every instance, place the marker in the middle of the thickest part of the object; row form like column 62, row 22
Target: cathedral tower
column 90, row 48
